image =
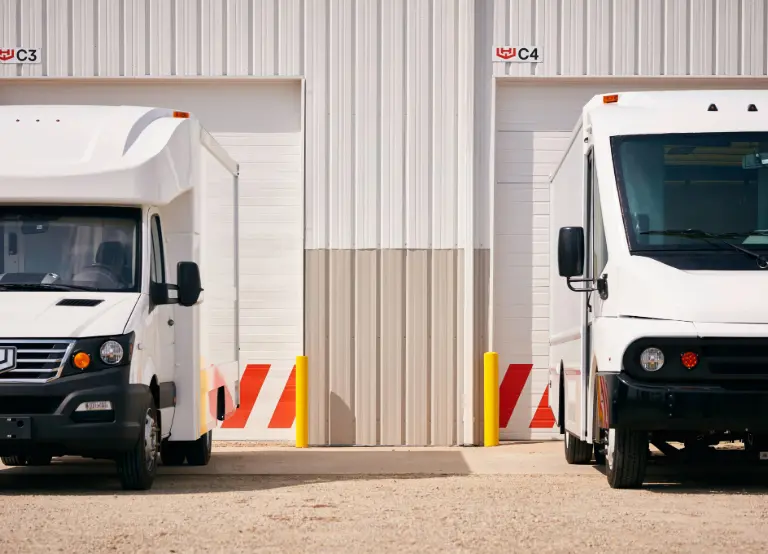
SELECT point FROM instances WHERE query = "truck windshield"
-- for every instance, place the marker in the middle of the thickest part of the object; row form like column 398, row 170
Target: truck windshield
column 70, row 247
column 676, row 187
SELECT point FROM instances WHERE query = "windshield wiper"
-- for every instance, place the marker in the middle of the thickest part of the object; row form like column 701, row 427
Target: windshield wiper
column 44, row 286
column 762, row 261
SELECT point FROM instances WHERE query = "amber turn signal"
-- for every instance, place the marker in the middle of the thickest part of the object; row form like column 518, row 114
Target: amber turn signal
column 689, row 359
column 81, row 360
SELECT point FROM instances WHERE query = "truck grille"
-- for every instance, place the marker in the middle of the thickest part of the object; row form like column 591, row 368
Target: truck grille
column 745, row 357
column 37, row 360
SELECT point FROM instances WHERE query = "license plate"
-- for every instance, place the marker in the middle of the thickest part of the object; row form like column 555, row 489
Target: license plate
column 15, row 428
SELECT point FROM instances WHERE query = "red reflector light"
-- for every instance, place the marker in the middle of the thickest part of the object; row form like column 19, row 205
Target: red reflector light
column 183, row 115
column 689, row 359
column 610, row 98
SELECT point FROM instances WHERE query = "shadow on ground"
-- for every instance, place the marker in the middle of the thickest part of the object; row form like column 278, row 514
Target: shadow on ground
column 53, row 484
column 703, row 478
column 237, row 471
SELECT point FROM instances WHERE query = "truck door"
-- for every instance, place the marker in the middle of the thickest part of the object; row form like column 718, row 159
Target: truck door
column 596, row 258
column 161, row 317
column 582, row 387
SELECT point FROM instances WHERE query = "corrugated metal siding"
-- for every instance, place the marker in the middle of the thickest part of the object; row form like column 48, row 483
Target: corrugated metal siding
column 385, row 125
column 398, row 119
column 636, row 37
column 389, row 164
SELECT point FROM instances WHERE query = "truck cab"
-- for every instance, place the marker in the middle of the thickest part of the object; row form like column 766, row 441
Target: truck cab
column 658, row 311
column 106, row 245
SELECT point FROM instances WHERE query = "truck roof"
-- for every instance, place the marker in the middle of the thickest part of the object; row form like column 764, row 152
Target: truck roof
column 678, row 111
column 129, row 155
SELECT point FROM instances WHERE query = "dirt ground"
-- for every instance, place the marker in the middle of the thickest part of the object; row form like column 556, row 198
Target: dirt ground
column 514, row 498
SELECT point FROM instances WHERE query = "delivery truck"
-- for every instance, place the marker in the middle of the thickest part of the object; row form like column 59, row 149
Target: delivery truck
column 118, row 287
column 659, row 280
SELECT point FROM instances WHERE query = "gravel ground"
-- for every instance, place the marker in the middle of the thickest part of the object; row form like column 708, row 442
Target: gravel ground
column 474, row 513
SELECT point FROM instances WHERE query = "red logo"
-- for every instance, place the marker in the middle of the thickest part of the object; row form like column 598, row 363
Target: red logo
column 6, row 55
column 506, row 53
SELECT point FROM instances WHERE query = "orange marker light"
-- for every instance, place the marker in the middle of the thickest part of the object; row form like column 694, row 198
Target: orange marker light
column 182, row 115
column 689, row 359
column 610, row 98
column 81, row 360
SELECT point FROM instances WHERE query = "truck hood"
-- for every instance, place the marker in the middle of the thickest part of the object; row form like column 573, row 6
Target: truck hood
column 650, row 289
column 33, row 314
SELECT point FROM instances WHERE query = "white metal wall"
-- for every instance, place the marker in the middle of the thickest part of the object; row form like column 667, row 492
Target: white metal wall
column 389, row 165
column 398, row 155
column 636, row 37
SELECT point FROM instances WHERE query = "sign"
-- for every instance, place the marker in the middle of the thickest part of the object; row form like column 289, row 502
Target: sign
column 20, row 55
column 517, row 54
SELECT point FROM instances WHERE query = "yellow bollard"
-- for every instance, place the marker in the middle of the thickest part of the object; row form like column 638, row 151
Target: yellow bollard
column 491, row 398
column 302, row 402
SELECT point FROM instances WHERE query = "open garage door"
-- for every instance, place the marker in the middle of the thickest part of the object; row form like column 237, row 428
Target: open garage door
column 534, row 122
column 260, row 124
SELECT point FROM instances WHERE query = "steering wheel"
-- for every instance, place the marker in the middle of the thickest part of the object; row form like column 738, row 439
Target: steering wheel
column 102, row 272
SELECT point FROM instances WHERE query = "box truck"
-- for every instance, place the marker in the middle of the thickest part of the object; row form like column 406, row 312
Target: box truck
column 118, row 287
column 659, row 279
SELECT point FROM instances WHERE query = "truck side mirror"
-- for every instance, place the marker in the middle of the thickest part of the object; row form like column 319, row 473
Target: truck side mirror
column 188, row 283
column 570, row 251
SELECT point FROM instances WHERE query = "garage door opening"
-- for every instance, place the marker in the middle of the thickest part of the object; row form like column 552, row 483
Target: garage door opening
column 534, row 121
column 260, row 124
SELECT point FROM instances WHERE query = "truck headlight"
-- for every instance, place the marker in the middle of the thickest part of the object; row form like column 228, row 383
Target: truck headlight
column 111, row 352
column 100, row 353
column 652, row 359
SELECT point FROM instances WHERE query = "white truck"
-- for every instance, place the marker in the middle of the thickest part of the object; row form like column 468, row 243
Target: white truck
column 102, row 355
column 659, row 279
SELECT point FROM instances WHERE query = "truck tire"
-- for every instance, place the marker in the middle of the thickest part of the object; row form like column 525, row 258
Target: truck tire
column 576, row 450
column 12, row 461
column 173, row 453
column 138, row 466
column 199, row 451
column 626, row 458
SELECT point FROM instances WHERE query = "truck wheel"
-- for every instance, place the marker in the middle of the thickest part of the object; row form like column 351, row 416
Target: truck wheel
column 12, row 461
column 576, row 450
column 172, row 453
column 625, row 459
column 199, row 451
column 138, row 467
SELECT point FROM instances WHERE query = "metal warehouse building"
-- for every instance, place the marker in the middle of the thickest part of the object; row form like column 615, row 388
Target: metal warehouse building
column 394, row 168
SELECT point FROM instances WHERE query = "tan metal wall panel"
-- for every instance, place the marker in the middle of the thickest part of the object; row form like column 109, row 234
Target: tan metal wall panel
column 366, row 346
column 443, row 346
column 382, row 339
column 392, row 388
column 481, row 329
column 383, row 332
column 460, row 436
column 341, row 382
column 417, row 343
column 316, row 285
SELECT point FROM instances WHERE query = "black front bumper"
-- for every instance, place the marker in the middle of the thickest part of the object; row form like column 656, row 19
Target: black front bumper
column 42, row 418
column 624, row 402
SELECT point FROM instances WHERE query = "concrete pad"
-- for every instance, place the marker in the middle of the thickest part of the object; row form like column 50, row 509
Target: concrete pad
column 520, row 458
